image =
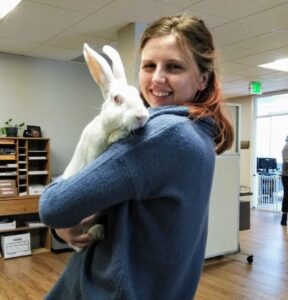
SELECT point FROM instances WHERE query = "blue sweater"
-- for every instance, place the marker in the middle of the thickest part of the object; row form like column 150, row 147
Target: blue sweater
column 154, row 187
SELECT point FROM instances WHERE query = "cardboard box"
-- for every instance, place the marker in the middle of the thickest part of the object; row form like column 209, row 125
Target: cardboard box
column 7, row 224
column 7, row 192
column 36, row 189
column 7, row 183
column 16, row 245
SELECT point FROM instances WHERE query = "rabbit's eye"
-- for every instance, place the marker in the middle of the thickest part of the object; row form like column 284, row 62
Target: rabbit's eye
column 117, row 99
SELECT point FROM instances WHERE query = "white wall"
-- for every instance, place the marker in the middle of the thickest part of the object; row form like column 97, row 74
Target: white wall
column 246, row 134
column 59, row 97
column 128, row 46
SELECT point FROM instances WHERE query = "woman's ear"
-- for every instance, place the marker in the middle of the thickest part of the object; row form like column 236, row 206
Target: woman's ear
column 203, row 80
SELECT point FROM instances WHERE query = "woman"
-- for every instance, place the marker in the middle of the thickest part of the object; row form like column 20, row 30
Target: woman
column 155, row 187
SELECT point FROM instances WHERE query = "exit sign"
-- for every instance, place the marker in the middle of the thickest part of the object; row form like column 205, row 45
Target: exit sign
column 255, row 88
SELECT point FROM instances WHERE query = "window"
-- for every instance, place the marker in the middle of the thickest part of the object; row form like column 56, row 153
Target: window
column 271, row 121
column 271, row 125
column 271, row 105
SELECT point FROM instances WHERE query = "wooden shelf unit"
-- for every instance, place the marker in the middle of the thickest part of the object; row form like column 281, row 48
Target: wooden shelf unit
column 26, row 163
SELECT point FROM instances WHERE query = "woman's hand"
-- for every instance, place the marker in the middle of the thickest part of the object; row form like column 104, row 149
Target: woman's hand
column 75, row 236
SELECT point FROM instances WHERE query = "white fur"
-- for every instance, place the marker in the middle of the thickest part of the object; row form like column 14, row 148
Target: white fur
column 122, row 111
column 116, row 120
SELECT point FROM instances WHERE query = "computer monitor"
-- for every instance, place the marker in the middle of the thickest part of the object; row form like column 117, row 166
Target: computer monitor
column 266, row 164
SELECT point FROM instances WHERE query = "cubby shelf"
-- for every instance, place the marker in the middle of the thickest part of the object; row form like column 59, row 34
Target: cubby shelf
column 25, row 168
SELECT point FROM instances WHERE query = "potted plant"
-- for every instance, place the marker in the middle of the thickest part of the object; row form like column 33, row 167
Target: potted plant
column 9, row 129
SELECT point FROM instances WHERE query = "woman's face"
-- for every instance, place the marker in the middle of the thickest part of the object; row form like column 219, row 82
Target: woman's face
column 167, row 75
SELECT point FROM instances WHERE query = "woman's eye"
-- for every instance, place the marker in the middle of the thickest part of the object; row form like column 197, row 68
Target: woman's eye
column 148, row 66
column 174, row 67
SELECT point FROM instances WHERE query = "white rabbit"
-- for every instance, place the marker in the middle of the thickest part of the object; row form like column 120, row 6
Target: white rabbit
column 122, row 112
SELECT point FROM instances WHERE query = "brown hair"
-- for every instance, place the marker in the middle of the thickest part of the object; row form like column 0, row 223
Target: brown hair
column 194, row 37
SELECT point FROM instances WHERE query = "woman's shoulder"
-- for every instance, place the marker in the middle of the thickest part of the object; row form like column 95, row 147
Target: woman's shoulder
column 176, row 118
column 166, row 128
column 165, row 118
column 166, row 113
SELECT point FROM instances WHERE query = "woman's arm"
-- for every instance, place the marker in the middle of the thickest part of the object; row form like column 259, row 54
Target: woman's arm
column 104, row 183
column 137, row 168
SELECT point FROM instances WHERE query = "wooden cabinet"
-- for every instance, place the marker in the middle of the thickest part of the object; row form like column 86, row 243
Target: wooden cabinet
column 24, row 172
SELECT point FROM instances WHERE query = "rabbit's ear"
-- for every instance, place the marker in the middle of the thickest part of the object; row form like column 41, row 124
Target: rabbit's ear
column 99, row 69
column 117, row 65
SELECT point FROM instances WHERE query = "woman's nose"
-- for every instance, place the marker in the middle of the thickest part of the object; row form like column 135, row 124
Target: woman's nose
column 159, row 76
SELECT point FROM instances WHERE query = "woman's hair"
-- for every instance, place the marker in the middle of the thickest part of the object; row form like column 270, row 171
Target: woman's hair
column 194, row 38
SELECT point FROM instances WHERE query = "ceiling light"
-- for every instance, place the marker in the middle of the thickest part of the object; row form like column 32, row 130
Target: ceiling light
column 6, row 6
column 278, row 65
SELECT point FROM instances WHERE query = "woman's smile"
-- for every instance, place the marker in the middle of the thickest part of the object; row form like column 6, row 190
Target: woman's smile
column 167, row 75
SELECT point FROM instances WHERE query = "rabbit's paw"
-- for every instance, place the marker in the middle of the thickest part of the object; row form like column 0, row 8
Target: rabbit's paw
column 116, row 136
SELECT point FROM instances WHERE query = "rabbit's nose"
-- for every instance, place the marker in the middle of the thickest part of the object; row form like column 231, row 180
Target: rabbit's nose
column 141, row 120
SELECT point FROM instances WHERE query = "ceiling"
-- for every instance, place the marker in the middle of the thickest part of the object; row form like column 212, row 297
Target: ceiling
column 246, row 32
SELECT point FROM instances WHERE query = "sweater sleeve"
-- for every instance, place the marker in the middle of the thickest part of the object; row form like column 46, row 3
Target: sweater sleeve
column 103, row 183
column 147, row 165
